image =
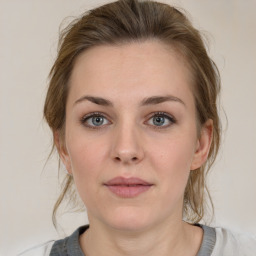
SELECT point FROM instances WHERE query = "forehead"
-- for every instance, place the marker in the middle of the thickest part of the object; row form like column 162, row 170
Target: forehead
column 137, row 69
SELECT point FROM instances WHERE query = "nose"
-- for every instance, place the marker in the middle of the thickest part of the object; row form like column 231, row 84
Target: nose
column 127, row 145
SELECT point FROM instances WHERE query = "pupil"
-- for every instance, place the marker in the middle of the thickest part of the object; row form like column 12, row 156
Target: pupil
column 158, row 120
column 97, row 120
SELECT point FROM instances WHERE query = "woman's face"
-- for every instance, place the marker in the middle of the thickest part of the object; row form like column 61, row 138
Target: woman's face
column 131, row 137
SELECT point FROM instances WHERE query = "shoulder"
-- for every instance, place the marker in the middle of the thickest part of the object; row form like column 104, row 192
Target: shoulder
column 66, row 246
column 232, row 243
column 39, row 250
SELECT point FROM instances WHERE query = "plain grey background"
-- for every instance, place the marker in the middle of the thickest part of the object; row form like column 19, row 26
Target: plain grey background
column 28, row 42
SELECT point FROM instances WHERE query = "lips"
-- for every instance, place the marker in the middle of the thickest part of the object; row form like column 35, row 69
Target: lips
column 127, row 187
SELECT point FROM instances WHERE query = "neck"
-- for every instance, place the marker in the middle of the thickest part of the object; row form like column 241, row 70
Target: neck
column 173, row 238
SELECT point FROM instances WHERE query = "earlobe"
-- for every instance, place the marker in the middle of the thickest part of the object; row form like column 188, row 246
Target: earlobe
column 203, row 145
column 63, row 154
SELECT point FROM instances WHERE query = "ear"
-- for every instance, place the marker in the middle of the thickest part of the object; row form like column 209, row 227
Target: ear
column 60, row 145
column 203, row 145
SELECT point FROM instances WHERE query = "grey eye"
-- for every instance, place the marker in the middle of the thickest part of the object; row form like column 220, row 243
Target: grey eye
column 159, row 120
column 94, row 120
column 97, row 120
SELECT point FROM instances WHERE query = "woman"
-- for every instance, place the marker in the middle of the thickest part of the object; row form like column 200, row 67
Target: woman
column 132, row 107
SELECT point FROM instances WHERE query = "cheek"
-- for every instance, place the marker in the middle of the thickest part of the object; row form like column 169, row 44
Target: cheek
column 172, row 160
column 85, row 150
column 174, row 153
column 87, row 160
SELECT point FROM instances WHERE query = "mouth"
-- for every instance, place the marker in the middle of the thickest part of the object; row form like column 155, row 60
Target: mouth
column 128, row 187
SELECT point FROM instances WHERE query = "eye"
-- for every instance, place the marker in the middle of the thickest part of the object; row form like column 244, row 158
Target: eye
column 94, row 120
column 161, row 120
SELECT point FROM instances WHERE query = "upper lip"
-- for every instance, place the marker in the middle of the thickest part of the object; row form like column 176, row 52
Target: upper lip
column 127, row 181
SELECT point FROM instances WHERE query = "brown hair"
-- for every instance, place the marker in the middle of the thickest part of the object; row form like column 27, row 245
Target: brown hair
column 122, row 22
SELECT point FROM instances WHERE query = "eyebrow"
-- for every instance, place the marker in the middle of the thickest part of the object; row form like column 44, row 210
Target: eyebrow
column 96, row 100
column 160, row 99
column 154, row 100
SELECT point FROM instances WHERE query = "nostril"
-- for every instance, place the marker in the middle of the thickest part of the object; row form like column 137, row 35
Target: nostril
column 120, row 159
column 117, row 158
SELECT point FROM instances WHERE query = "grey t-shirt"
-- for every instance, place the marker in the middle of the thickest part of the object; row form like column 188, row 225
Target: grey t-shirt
column 216, row 242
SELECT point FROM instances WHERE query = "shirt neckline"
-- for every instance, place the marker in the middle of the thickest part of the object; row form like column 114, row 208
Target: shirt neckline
column 206, row 248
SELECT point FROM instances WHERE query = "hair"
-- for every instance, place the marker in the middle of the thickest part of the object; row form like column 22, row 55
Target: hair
column 128, row 21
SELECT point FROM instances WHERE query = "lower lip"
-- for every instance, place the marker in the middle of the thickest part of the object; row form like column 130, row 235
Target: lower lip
column 128, row 191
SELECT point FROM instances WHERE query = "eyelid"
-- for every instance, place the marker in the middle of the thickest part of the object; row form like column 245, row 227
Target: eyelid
column 93, row 114
column 171, row 118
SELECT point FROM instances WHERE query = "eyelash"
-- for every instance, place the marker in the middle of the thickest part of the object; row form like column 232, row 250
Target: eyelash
column 85, row 118
column 170, row 118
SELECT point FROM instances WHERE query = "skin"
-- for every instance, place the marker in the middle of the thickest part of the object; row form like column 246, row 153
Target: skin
column 129, row 144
